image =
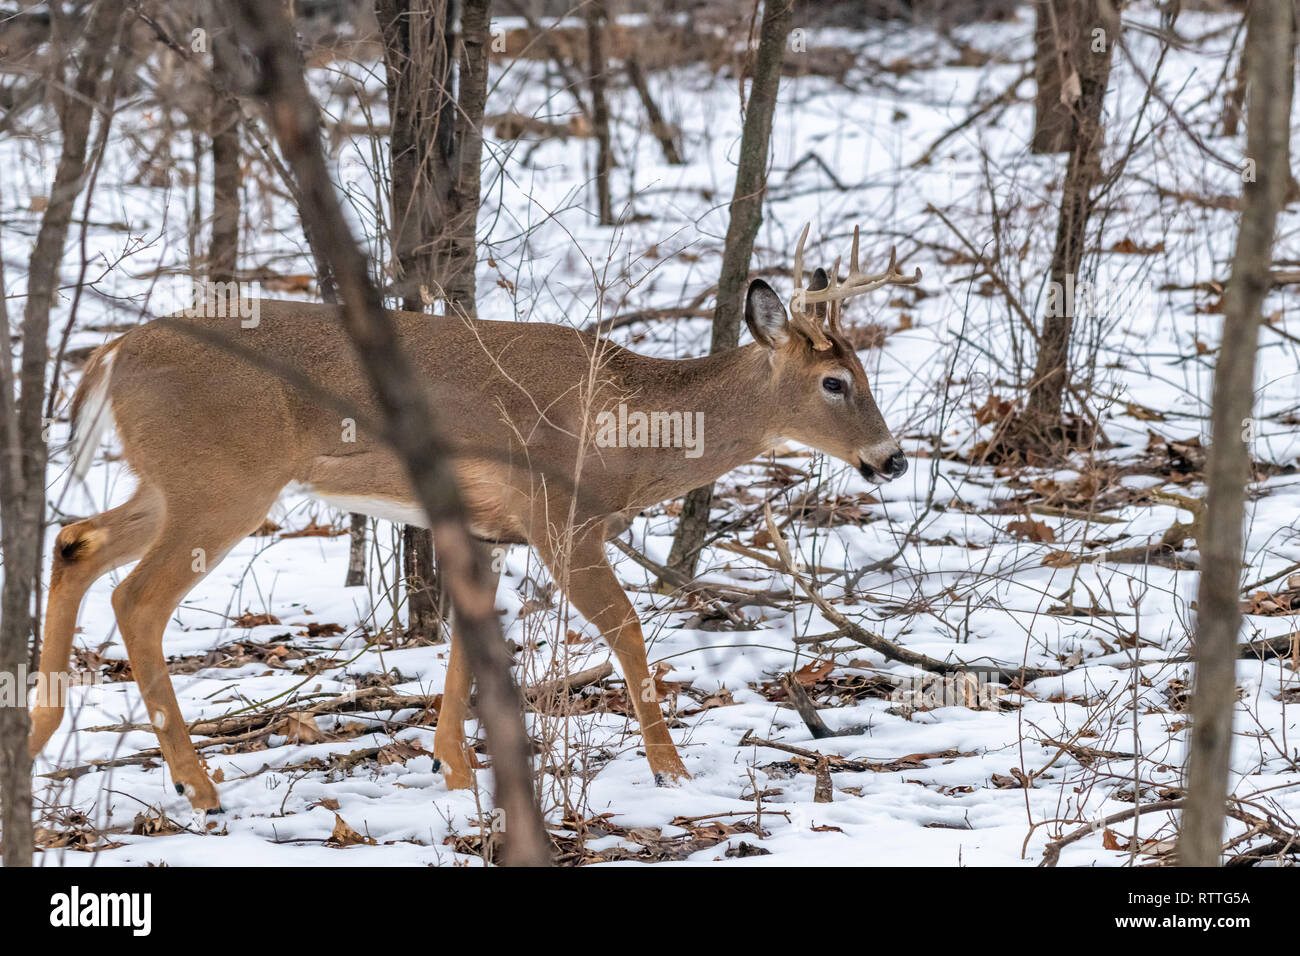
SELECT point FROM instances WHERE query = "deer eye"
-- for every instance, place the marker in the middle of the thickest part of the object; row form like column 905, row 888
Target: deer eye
column 832, row 385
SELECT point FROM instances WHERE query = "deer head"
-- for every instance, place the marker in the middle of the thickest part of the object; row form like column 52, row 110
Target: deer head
column 816, row 372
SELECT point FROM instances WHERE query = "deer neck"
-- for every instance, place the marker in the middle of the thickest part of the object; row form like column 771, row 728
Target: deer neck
column 733, row 403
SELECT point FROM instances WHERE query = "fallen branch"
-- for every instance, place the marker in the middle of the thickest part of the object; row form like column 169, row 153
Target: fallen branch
column 807, row 710
column 860, row 635
column 682, row 582
column 567, row 684
column 1052, row 852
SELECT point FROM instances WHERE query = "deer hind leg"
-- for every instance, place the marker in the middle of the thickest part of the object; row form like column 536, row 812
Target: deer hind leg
column 594, row 590
column 449, row 744
column 188, row 546
column 83, row 552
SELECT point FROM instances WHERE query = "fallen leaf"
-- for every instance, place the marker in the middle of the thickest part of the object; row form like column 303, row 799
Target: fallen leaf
column 344, row 835
column 1032, row 530
column 1110, row 840
column 812, row 672
column 301, row 728
column 249, row 619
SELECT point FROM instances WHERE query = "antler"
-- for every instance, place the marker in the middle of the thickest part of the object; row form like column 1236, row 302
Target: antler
column 836, row 292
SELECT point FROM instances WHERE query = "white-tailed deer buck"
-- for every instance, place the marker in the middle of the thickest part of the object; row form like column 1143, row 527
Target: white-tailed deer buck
column 214, row 438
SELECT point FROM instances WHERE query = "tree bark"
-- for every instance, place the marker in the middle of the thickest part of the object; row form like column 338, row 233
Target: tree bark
column 746, row 217
column 1051, row 116
column 1269, row 55
column 423, row 594
column 356, row 576
column 223, row 254
column 22, row 429
column 1089, row 30
column 418, row 50
column 475, row 32
column 412, row 428
column 596, row 17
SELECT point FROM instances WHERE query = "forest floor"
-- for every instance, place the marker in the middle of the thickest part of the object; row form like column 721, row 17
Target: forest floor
column 967, row 558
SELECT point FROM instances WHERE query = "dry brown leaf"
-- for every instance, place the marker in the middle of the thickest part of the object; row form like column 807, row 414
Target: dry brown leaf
column 249, row 619
column 994, row 409
column 1142, row 413
column 314, row 530
column 302, row 728
column 1110, row 840
column 1127, row 246
column 344, row 835
column 814, row 671
column 1031, row 530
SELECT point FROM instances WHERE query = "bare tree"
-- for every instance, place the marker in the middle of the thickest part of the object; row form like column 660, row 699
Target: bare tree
column 1051, row 115
column 596, row 17
column 223, row 254
column 436, row 153
column 471, row 99
column 22, row 426
column 746, row 217
column 1269, row 55
column 419, row 45
column 1085, row 35
column 412, row 426
column 356, row 576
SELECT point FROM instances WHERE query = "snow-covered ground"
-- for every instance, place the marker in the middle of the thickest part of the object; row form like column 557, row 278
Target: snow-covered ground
column 947, row 787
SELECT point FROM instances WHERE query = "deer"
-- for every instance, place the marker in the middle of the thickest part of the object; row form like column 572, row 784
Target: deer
column 214, row 438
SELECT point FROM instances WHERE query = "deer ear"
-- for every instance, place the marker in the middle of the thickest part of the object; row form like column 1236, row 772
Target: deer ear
column 765, row 315
column 820, row 280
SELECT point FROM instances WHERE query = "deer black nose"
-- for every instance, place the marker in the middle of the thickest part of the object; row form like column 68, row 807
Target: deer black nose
column 895, row 465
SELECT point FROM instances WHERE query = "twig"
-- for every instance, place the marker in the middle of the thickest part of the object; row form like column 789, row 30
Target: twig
column 1052, row 852
column 569, row 683
column 881, row 645
column 1006, row 96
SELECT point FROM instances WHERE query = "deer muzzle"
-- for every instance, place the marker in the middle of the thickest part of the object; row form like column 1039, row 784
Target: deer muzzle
column 887, row 468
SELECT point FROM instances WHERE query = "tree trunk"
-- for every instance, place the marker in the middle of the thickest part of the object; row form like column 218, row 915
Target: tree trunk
column 475, row 31
column 418, row 49
column 596, row 17
column 1269, row 53
column 423, row 595
column 1089, row 29
column 223, row 254
column 746, row 217
column 356, row 576
column 22, row 433
column 1051, row 116
column 413, row 429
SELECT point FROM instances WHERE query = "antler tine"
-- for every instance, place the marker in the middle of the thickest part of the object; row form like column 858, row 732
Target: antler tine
column 834, row 293
column 857, row 283
column 799, row 315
